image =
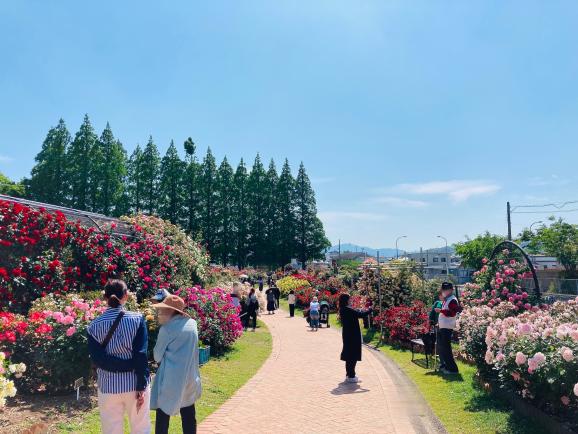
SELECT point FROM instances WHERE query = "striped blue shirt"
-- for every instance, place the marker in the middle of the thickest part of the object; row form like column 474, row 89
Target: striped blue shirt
column 128, row 343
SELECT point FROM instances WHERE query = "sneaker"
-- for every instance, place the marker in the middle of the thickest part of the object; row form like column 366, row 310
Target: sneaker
column 352, row 380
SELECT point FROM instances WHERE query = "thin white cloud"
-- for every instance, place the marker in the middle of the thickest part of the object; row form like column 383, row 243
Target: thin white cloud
column 5, row 159
column 400, row 202
column 456, row 190
column 546, row 181
column 331, row 216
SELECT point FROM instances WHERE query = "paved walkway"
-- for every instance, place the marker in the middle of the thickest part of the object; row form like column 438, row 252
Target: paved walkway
column 300, row 389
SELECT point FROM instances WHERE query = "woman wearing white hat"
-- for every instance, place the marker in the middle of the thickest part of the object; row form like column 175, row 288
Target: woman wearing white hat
column 177, row 384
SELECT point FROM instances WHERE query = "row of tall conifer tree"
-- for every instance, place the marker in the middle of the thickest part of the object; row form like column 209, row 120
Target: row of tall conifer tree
column 243, row 217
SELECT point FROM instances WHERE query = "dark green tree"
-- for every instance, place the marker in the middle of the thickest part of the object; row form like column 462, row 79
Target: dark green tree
column 560, row 239
column 171, row 188
column 257, row 224
column 241, row 215
column 11, row 188
column 79, row 165
column 191, row 183
column 285, row 209
column 310, row 239
column 150, row 170
column 134, row 184
column 225, row 247
column 112, row 174
column 473, row 251
column 47, row 182
column 208, row 194
column 271, row 216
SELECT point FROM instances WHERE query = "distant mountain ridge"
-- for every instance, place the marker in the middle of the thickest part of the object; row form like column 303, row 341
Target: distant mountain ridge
column 384, row 252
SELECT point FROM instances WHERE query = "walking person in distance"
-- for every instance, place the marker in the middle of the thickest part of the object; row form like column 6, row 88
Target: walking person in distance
column 291, row 301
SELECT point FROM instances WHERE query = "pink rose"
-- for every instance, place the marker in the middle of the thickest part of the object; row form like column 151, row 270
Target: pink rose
column 565, row 400
column 567, row 354
column 520, row 358
column 70, row 331
column 576, row 389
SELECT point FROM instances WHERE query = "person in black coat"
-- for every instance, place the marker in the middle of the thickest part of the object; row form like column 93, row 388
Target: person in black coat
column 351, row 333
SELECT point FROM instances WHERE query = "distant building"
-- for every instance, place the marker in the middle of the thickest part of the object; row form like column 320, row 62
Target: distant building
column 436, row 264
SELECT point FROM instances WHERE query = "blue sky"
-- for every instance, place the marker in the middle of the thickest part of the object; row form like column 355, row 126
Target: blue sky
column 413, row 118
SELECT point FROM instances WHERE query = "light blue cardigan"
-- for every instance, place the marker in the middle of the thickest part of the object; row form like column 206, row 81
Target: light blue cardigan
column 177, row 383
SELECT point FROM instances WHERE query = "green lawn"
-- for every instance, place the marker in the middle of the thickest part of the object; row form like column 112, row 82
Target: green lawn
column 221, row 377
column 461, row 406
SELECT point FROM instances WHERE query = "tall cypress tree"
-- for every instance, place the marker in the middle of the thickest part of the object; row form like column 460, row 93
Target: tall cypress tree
column 150, row 176
column 240, row 218
column 225, row 247
column 285, row 206
column 112, row 173
column 255, row 199
column 310, row 239
column 79, row 165
column 191, row 182
column 47, row 181
column 208, row 190
column 270, row 215
column 171, row 191
column 134, row 186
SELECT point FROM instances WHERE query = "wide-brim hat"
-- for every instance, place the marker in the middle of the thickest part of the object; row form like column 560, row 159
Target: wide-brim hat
column 173, row 302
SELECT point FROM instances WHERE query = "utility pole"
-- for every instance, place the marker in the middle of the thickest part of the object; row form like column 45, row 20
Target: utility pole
column 379, row 292
column 509, row 222
column 340, row 249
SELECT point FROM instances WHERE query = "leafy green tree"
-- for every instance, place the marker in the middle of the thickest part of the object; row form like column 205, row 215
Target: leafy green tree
column 191, row 182
column 256, row 202
column 171, row 189
column 285, row 210
column 11, row 188
column 134, row 185
column 112, row 173
column 474, row 250
column 310, row 239
column 208, row 190
column 47, row 182
column 79, row 160
column 149, row 176
column 241, row 215
column 225, row 246
column 271, row 216
column 560, row 239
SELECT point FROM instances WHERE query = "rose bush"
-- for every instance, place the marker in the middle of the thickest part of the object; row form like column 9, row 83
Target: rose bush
column 403, row 323
column 217, row 318
column 535, row 354
column 43, row 253
column 7, row 387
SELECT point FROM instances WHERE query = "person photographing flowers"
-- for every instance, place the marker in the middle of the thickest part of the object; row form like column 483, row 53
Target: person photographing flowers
column 351, row 334
column 177, row 384
column 446, row 325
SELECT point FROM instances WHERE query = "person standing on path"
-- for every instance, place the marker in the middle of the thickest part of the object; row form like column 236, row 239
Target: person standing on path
column 446, row 326
column 351, row 334
column 260, row 283
column 291, row 301
column 314, row 314
column 270, row 301
column 277, row 293
column 177, row 383
column 252, row 305
column 117, row 344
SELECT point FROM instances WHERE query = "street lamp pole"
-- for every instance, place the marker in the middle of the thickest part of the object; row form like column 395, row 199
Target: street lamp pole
column 447, row 256
column 396, row 249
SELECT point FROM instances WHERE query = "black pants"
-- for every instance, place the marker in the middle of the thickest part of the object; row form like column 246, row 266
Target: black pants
column 251, row 316
column 350, row 368
column 291, row 310
column 444, row 347
column 188, row 417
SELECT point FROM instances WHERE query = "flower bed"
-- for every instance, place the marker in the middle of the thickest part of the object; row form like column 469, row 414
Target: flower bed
column 43, row 253
column 217, row 318
column 292, row 283
column 403, row 323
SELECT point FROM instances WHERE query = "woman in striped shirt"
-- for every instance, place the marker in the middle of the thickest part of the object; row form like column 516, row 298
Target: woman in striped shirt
column 122, row 368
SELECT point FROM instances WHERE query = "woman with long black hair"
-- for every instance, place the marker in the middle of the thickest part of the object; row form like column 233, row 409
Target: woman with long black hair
column 351, row 333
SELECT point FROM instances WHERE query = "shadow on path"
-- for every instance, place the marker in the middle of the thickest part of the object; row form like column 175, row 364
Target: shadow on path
column 348, row 388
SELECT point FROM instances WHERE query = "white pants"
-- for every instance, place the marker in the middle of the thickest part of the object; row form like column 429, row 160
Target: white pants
column 113, row 407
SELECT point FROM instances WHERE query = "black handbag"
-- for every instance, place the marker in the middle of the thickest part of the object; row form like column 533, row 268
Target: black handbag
column 109, row 335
